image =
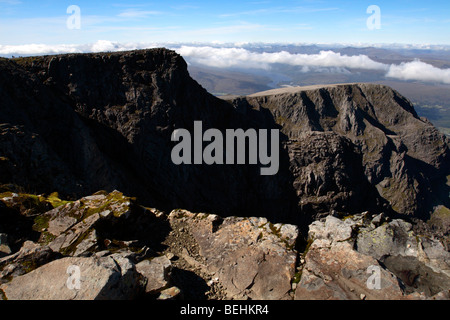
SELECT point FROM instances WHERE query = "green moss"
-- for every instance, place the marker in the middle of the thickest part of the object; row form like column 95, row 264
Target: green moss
column 55, row 201
column 29, row 265
column 46, row 238
column 274, row 230
column 112, row 203
column 27, row 204
column 309, row 242
column 91, row 211
column 201, row 216
column 40, row 223
column 68, row 251
column 38, row 203
column 277, row 232
column 7, row 194
column 297, row 277
column 101, row 193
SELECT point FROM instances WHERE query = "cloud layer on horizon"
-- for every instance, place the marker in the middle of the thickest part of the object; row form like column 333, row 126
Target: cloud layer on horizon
column 237, row 57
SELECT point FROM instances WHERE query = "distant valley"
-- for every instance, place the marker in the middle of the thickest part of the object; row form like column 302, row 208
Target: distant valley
column 431, row 99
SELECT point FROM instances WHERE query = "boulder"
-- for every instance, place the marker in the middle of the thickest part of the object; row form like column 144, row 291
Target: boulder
column 92, row 224
column 78, row 278
column 422, row 263
column 363, row 256
column 337, row 272
column 251, row 257
column 156, row 272
column 334, row 270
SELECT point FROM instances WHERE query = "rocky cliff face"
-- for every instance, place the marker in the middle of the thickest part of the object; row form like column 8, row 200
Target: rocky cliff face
column 77, row 124
column 104, row 121
column 80, row 123
column 364, row 140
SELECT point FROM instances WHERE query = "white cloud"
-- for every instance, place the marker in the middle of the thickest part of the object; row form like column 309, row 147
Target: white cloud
column 242, row 58
column 325, row 61
column 418, row 70
column 37, row 49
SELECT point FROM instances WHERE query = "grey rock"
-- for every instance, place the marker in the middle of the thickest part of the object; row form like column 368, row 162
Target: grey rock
column 421, row 263
column 84, row 226
column 30, row 256
column 332, row 229
column 394, row 238
column 109, row 278
column 4, row 246
column 378, row 220
column 338, row 272
column 344, row 253
column 156, row 272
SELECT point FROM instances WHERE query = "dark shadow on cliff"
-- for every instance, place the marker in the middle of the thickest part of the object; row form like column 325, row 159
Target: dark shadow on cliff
column 143, row 229
column 17, row 227
column 434, row 189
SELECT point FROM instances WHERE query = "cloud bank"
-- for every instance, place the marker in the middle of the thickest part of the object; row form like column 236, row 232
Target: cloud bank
column 237, row 57
column 243, row 58
column 418, row 70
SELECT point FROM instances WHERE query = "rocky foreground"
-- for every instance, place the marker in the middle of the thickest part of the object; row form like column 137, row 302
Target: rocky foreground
column 126, row 251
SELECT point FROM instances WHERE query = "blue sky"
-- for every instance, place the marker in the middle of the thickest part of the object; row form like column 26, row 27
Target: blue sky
column 300, row 21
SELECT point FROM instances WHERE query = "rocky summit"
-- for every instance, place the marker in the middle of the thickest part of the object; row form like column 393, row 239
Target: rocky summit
column 358, row 209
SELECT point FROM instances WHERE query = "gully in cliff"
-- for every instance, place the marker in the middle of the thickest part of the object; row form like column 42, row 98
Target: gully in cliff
column 234, row 151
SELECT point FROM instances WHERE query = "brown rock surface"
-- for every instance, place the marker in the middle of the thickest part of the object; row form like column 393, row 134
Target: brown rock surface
column 251, row 257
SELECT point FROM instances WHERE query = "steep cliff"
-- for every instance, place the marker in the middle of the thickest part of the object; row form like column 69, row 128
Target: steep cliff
column 346, row 139
column 80, row 123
